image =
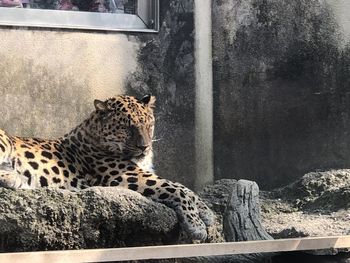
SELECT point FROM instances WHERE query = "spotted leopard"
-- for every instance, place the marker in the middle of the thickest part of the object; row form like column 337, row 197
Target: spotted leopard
column 112, row 147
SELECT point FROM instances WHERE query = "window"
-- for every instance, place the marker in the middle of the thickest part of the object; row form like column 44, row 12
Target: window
column 114, row 15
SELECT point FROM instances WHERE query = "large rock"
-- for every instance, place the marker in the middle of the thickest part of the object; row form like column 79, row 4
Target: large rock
column 316, row 205
column 47, row 219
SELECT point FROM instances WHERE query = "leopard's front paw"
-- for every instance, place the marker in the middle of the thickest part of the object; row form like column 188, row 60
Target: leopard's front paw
column 193, row 213
column 194, row 225
column 198, row 232
column 205, row 213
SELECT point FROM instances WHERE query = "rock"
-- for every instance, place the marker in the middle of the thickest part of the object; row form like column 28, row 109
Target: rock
column 325, row 191
column 316, row 205
column 218, row 193
column 49, row 219
column 102, row 217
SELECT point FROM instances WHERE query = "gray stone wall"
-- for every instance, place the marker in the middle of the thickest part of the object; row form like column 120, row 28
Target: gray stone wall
column 281, row 89
column 49, row 78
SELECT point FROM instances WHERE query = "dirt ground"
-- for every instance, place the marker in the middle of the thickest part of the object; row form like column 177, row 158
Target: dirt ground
column 282, row 220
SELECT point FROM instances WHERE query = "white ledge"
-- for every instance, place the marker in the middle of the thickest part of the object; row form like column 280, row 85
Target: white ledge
column 178, row 251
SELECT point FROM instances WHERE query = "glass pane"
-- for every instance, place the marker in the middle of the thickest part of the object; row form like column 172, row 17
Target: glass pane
column 114, row 15
column 101, row 6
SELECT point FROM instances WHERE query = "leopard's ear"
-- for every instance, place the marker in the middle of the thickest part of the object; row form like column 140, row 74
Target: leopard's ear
column 149, row 100
column 100, row 105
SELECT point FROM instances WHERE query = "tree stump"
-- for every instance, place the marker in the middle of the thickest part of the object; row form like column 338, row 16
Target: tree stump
column 241, row 220
column 237, row 206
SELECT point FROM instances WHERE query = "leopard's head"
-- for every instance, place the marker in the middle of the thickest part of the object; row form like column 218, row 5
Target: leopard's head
column 125, row 125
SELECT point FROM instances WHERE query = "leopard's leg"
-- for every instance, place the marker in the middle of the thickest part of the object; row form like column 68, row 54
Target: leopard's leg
column 205, row 213
column 187, row 212
column 174, row 195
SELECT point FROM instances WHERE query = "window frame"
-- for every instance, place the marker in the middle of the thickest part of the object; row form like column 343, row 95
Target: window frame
column 46, row 18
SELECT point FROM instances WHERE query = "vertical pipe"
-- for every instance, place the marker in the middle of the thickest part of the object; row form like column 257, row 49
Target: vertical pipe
column 204, row 93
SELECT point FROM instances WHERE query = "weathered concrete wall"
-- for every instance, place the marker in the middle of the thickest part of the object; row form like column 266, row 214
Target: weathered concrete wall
column 340, row 9
column 48, row 79
column 281, row 88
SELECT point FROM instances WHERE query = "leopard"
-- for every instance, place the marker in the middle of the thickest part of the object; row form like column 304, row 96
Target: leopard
column 112, row 147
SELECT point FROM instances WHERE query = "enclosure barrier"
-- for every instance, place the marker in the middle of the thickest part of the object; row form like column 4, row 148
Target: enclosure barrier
column 177, row 251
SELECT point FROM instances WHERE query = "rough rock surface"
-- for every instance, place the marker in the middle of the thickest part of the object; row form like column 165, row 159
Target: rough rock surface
column 316, row 205
column 46, row 219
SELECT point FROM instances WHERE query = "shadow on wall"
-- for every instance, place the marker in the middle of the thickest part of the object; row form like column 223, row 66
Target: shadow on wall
column 166, row 69
column 281, row 90
column 37, row 102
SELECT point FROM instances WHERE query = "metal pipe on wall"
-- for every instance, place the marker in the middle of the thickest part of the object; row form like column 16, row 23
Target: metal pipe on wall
column 204, row 94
